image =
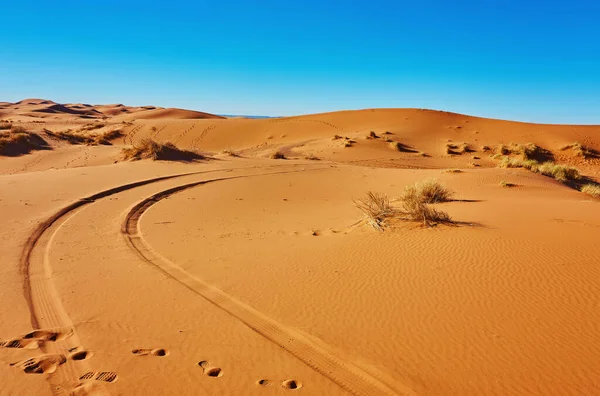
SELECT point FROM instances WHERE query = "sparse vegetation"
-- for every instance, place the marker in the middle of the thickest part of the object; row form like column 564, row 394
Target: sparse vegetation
column 429, row 191
column 18, row 141
column 336, row 137
column 311, row 157
column 376, row 208
column 150, row 149
column 452, row 171
column 372, row 135
column 416, row 208
column 581, row 150
column 79, row 138
column 504, row 183
column 486, row 148
column 591, row 189
column 277, row 155
column 5, row 125
column 415, row 200
column 562, row 173
column 230, row 152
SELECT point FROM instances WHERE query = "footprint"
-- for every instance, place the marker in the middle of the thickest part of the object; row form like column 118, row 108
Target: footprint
column 209, row 370
column 36, row 338
column 106, row 376
column 291, row 384
column 44, row 364
column 153, row 352
column 287, row 384
column 79, row 354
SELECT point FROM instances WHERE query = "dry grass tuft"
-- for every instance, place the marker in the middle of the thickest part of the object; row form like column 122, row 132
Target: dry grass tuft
column 311, row 157
column 5, row 125
column 277, row 155
column 504, row 183
column 428, row 191
column 452, row 171
column 376, row 208
column 372, row 135
column 581, row 150
column 418, row 210
column 230, row 152
column 150, row 149
column 91, row 140
column 562, row 173
column 18, row 141
column 591, row 189
column 403, row 148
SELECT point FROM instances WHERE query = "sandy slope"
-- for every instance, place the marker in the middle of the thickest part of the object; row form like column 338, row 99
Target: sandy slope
column 248, row 276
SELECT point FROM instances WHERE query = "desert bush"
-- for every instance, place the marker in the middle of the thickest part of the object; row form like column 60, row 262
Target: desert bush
column 150, row 149
column 21, row 142
column 17, row 129
column 562, row 173
column 376, row 208
column 372, row 135
column 452, row 171
column 415, row 208
column 5, row 125
column 504, row 183
column 230, row 152
column 591, row 189
column 581, row 150
column 277, row 155
column 401, row 147
column 311, row 157
column 428, row 191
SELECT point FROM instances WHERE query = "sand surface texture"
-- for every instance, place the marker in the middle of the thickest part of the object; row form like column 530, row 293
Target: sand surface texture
column 239, row 274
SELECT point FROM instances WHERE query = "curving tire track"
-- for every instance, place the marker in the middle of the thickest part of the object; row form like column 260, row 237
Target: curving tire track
column 46, row 307
column 359, row 380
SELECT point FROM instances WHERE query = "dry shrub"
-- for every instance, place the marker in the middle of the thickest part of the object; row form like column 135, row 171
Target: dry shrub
column 91, row 140
column 452, row 171
column 372, row 135
column 311, row 157
column 277, row 155
column 486, row 148
column 581, row 150
column 376, row 208
column 5, row 125
column 417, row 210
column 504, row 183
column 591, row 189
column 18, row 141
column 230, row 152
column 428, row 191
column 562, row 173
column 150, row 149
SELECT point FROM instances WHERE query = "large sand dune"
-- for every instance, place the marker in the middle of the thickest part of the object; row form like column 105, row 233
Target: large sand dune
column 244, row 275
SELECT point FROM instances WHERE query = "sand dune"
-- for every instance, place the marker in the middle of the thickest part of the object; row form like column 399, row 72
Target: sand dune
column 233, row 273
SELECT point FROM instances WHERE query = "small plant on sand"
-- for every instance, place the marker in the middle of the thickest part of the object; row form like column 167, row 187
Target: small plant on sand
column 403, row 148
column 452, row 171
column 376, row 208
column 90, row 140
column 504, row 183
column 5, row 125
column 311, row 157
column 486, row 148
column 591, row 189
column 17, row 129
column 562, row 173
column 150, row 149
column 277, row 155
column 416, row 209
column 428, row 191
column 230, row 152
column 18, row 141
column 581, row 150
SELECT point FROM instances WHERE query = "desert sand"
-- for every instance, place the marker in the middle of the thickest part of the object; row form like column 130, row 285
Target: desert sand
column 236, row 273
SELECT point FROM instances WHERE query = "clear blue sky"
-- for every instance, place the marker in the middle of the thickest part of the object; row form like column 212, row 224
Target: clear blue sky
column 527, row 60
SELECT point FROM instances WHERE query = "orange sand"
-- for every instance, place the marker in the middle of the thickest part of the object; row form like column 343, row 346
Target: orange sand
column 244, row 275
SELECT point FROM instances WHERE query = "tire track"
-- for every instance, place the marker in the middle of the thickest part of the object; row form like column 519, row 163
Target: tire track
column 45, row 307
column 360, row 380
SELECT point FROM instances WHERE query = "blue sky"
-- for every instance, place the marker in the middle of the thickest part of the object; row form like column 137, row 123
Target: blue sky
column 525, row 60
